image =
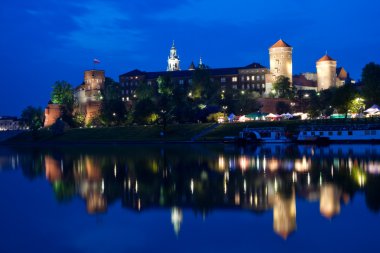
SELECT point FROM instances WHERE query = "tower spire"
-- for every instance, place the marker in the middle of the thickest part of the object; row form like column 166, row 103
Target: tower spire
column 173, row 59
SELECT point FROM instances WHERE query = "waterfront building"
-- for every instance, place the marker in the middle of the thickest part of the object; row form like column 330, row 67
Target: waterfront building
column 326, row 72
column 10, row 124
column 250, row 77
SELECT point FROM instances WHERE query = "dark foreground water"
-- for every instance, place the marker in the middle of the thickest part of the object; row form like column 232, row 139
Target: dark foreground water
column 190, row 198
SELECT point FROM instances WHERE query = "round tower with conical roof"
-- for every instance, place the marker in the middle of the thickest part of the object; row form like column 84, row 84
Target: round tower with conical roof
column 326, row 72
column 173, row 59
column 281, row 60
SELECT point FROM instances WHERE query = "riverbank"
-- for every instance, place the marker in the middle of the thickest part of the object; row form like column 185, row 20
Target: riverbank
column 178, row 133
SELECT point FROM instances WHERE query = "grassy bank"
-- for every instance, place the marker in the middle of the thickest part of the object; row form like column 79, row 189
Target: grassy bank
column 183, row 132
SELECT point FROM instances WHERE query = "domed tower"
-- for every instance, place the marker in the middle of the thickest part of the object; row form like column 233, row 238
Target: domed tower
column 281, row 60
column 326, row 72
column 173, row 60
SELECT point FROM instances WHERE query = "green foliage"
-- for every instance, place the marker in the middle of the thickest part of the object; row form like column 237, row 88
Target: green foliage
column 165, row 85
column 142, row 111
column 343, row 97
column 111, row 90
column 283, row 88
column 356, row 105
column 63, row 94
column 371, row 83
column 144, row 91
column 214, row 117
column 79, row 119
column 33, row 117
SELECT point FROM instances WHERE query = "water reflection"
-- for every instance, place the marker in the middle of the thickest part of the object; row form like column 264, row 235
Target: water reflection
column 204, row 178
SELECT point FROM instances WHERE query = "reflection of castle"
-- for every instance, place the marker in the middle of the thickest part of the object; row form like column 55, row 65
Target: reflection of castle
column 284, row 214
column 179, row 181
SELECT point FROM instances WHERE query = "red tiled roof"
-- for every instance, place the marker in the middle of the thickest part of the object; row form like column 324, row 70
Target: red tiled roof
column 280, row 43
column 326, row 58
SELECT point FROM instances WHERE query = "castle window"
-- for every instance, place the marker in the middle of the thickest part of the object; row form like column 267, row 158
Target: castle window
column 258, row 78
column 190, row 81
column 223, row 80
column 242, row 87
column 181, row 82
column 242, row 78
column 234, row 79
column 263, row 77
column 253, row 78
column 248, row 78
column 234, row 86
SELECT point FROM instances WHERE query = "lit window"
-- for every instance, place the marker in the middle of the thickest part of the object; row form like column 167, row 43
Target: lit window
column 248, row 78
column 234, row 79
column 258, row 78
column 253, row 78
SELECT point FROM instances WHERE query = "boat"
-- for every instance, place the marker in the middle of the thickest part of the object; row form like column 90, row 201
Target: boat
column 264, row 135
column 340, row 133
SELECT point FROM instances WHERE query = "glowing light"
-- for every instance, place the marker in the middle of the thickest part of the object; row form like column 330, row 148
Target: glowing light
column 136, row 187
column 192, row 186
column 245, row 186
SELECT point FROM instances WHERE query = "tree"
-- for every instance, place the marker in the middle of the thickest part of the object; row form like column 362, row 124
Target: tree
column 245, row 102
column 356, row 105
column 63, row 94
column 33, row 117
column 283, row 87
column 143, row 109
column 371, row 83
column 343, row 97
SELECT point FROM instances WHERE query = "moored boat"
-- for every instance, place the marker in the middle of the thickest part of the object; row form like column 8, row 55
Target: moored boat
column 264, row 135
column 326, row 134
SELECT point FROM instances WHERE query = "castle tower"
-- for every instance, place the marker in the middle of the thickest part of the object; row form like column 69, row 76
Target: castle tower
column 326, row 72
column 173, row 60
column 281, row 62
column 94, row 82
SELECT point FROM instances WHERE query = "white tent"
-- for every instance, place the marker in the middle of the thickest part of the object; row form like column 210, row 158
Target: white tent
column 271, row 115
column 286, row 115
column 373, row 109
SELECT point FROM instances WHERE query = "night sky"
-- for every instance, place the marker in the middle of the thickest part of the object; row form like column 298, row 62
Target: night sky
column 47, row 40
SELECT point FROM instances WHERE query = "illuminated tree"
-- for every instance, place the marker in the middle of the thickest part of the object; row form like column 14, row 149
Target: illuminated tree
column 63, row 94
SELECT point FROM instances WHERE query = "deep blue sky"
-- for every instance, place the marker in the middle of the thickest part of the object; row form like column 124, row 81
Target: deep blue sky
column 47, row 40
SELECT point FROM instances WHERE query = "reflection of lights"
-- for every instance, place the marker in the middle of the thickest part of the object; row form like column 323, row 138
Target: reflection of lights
column 294, row 177
column 273, row 164
column 245, row 186
column 332, row 171
column 251, row 199
column 136, row 187
column 308, row 179
column 176, row 218
column 192, row 186
column 243, row 163
column 221, row 163
column 302, row 165
column 237, row 198
column 115, row 170
column 264, row 163
column 320, row 179
column 129, row 184
column 360, row 177
column 102, row 186
column 139, row 204
column 275, row 185
column 256, row 199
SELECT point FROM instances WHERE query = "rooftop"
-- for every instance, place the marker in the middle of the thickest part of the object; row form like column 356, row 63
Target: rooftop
column 280, row 43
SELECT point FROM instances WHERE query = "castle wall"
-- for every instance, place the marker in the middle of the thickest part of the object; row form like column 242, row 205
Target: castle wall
column 52, row 113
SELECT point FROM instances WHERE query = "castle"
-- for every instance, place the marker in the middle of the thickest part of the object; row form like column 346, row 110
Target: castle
column 253, row 77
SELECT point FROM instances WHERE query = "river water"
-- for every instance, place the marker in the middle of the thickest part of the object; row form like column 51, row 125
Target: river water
column 190, row 198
